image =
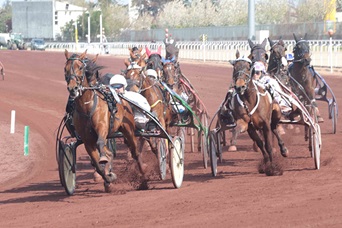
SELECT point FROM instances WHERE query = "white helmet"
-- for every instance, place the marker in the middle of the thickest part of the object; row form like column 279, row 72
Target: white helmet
column 118, row 79
column 151, row 72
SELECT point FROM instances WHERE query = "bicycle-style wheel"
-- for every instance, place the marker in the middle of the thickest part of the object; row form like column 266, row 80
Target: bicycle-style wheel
column 333, row 115
column 204, row 140
column 67, row 168
column 162, row 151
column 177, row 162
column 213, row 152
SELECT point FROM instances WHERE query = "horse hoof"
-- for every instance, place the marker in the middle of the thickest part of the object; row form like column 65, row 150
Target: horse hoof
column 297, row 130
column 281, row 130
column 285, row 153
column 108, row 187
column 97, row 177
column 112, row 176
column 103, row 159
column 232, row 148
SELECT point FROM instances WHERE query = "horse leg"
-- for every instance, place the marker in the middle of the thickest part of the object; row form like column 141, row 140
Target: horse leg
column 104, row 152
column 276, row 115
column 128, row 130
column 283, row 150
column 235, row 134
column 103, row 169
column 256, row 138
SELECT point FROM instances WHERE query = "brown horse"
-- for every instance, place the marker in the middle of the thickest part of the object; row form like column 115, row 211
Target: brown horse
column 302, row 78
column 135, row 56
column 94, row 121
column 150, row 89
column 254, row 111
column 154, row 61
column 277, row 63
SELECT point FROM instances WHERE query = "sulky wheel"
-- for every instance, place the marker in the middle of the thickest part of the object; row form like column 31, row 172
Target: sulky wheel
column 333, row 115
column 316, row 150
column 67, row 167
column 162, row 151
column 213, row 152
column 204, row 140
column 177, row 162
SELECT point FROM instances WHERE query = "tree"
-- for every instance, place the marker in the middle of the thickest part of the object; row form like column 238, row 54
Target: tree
column 272, row 12
column 311, row 11
column 6, row 17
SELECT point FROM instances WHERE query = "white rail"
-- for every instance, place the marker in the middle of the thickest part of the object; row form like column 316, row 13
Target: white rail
column 211, row 50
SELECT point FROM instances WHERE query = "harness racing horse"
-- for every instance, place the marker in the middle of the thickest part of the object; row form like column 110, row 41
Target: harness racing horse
column 150, row 89
column 93, row 119
column 154, row 61
column 258, row 53
column 136, row 57
column 254, row 111
column 302, row 78
column 277, row 63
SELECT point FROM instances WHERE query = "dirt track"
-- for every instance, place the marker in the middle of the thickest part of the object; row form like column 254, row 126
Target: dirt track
column 31, row 195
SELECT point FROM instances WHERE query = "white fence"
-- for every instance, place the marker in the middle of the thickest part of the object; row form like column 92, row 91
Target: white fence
column 213, row 50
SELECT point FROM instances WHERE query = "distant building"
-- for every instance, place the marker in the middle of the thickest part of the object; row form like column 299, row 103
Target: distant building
column 42, row 18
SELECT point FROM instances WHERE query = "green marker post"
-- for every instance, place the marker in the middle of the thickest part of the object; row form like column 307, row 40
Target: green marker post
column 26, row 140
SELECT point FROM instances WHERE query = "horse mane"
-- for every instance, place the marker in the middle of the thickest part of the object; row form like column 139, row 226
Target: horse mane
column 92, row 69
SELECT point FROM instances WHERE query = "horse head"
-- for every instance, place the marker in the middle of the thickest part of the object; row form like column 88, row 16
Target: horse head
column 79, row 72
column 136, row 57
column 241, row 74
column 258, row 52
column 301, row 50
column 170, row 76
column 277, row 65
column 134, row 77
column 154, row 61
column 278, row 56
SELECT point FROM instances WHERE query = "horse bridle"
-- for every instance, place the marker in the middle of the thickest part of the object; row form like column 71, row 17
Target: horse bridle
column 73, row 76
column 241, row 75
column 299, row 56
column 175, row 77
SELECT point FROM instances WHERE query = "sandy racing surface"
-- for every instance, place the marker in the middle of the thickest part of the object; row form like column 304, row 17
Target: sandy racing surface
column 32, row 196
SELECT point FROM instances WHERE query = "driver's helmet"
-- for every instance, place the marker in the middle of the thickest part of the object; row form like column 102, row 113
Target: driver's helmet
column 118, row 81
column 259, row 66
column 152, row 73
column 289, row 57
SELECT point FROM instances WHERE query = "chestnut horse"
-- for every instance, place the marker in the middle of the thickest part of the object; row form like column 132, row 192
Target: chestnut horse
column 150, row 89
column 94, row 121
column 302, row 78
column 135, row 56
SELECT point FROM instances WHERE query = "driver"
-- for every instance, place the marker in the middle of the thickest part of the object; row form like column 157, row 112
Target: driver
column 119, row 84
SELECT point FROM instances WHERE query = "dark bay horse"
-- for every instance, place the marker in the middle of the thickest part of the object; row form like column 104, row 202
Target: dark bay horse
column 302, row 78
column 254, row 111
column 277, row 63
column 154, row 61
column 94, row 121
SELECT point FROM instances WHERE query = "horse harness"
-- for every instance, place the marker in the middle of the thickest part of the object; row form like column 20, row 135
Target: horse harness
column 107, row 95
